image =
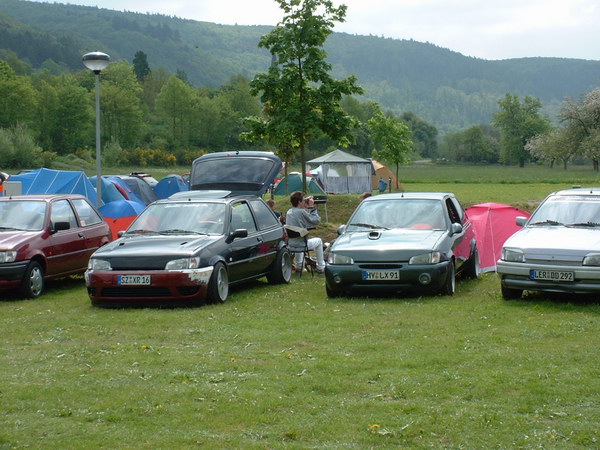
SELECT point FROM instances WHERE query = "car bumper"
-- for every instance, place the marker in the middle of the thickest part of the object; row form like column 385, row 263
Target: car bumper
column 517, row 276
column 349, row 278
column 165, row 286
column 11, row 274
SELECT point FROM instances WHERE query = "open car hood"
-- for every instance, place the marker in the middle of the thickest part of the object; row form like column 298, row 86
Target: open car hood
column 238, row 172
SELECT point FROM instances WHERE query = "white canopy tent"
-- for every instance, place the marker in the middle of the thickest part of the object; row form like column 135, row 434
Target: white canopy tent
column 343, row 173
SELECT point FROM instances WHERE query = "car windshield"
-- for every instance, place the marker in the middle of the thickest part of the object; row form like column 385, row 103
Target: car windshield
column 575, row 210
column 398, row 213
column 175, row 218
column 23, row 215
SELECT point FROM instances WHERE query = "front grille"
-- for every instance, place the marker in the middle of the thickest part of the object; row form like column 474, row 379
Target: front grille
column 137, row 292
column 139, row 263
column 380, row 266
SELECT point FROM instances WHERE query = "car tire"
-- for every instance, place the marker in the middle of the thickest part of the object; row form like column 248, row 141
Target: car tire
column 218, row 285
column 33, row 284
column 282, row 268
column 450, row 283
column 510, row 293
column 473, row 269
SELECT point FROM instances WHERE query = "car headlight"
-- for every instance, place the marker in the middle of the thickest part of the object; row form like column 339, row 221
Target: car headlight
column 426, row 258
column 513, row 255
column 335, row 258
column 8, row 256
column 593, row 259
column 183, row 263
column 98, row 264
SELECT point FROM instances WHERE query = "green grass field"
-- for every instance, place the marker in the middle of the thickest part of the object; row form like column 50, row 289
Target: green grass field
column 285, row 367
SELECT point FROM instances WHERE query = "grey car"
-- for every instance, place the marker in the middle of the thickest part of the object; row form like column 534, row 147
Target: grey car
column 403, row 242
column 558, row 249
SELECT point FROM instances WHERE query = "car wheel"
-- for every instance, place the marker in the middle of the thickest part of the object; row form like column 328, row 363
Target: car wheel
column 218, row 285
column 332, row 293
column 509, row 293
column 473, row 269
column 450, row 284
column 282, row 268
column 32, row 285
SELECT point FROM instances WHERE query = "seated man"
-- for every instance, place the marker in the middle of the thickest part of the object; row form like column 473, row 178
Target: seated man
column 303, row 214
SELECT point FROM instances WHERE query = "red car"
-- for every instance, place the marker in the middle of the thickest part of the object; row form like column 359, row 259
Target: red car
column 46, row 236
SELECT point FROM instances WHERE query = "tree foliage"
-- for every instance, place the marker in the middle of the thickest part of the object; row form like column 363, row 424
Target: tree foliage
column 519, row 122
column 301, row 99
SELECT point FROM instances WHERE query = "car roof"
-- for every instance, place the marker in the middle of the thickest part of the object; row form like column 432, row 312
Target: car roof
column 42, row 197
column 593, row 191
column 410, row 195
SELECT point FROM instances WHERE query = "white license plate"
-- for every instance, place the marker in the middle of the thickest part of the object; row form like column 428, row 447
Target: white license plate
column 134, row 280
column 551, row 275
column 381, row 275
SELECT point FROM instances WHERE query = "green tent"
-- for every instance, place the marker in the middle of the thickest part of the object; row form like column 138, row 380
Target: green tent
column 294, row 183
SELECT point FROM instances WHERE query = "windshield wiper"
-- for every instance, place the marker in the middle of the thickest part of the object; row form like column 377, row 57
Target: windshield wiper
column 179, row 231
column 140, row 232
column 584, row 224
column 8, row 228
column 547, row 222
column 368, row 225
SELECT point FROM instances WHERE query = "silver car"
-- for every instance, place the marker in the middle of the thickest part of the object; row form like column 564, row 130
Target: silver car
column 401, row 242
column 558, row 250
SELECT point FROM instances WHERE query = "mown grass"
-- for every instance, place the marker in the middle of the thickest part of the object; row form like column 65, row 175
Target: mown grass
column 285, row 367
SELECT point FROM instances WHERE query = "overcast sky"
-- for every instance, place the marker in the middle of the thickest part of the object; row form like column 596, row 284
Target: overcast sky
column 489, row 29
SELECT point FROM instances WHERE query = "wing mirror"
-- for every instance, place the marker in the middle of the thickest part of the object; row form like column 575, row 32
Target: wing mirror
column 521, row 221
column 60, row 226
column 456, row 228
column 239, row 233
column 341, row 229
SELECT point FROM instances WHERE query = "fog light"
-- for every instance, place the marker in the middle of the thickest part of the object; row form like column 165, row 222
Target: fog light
column 337, row 279
column 424, row 278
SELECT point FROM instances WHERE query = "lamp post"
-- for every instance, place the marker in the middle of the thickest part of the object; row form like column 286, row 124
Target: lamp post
column 97, row 62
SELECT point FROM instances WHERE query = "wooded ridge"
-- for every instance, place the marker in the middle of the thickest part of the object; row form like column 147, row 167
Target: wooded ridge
column 450, row 90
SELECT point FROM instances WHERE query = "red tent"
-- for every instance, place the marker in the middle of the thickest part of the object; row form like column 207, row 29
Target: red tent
column 494, row 223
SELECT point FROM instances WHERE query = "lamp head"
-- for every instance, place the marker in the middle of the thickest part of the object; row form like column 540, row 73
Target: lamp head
column 96, row 61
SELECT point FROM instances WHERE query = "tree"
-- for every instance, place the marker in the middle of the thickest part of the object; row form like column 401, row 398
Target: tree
column 583, row 119
column 559, row 143
column 301, row 100
column 392, row 139
column 176, row 104
column 140, row 65
column 519, row 122
column 424, row 135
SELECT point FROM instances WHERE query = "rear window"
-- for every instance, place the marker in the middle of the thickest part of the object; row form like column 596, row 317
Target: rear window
column 223, row 172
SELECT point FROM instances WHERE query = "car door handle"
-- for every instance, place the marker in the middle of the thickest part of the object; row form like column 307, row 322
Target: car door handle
column 80, row 235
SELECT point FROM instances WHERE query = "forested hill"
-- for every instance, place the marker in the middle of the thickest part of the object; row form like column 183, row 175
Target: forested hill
column 444, row 87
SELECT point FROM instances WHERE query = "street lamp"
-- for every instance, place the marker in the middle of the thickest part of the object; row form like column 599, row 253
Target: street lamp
column 97, row 62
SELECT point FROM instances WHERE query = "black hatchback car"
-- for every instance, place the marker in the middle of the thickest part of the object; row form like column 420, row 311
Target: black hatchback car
column 194, row 245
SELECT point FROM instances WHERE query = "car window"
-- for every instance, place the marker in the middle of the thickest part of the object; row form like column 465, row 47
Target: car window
column 568, row 210
column 264, row 216
column 62, row 212
column 23, row 215
column 400, row 213
column 241, row 217
column 87, row 215
column 197, row 217
column 455, row 217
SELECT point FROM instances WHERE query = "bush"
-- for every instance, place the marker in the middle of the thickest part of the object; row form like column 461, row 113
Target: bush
column 18, row 149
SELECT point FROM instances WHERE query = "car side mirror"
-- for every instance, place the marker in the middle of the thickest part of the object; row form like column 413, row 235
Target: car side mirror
column 456, row 228
column 60, row 226
column 239, row 233
column 341, row 230
column 521, row 221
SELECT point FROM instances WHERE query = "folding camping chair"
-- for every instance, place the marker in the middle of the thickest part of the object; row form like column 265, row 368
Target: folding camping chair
column 308, row 262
